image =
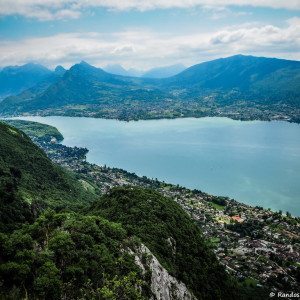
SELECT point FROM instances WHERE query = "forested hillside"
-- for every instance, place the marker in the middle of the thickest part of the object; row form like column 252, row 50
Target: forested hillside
column 59, row 241
column 172, row 237
column 258, row 79
column 29, row 181
column 242, row 87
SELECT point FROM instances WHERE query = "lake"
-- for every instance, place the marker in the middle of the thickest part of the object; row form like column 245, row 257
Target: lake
column 255, row 162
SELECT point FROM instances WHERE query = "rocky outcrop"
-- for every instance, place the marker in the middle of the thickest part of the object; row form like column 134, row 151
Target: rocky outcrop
column 163, row 285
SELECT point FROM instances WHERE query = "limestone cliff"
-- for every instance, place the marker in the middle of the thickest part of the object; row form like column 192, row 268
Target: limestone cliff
column 163, row 285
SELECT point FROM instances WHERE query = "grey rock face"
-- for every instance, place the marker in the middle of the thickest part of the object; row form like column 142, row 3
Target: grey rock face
column 163, row 285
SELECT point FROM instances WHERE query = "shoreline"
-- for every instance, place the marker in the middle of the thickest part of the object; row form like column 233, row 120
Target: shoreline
column 20, row 117
column 60, row 141
column 254, row 244
column 243, row 202
column 186, row 109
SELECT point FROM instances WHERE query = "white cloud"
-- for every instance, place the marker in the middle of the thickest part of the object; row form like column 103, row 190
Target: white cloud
column 144, row 49
column 220, row 12
column 124, row 49
column 64, row 9
column 39, row 9
column 262, row 38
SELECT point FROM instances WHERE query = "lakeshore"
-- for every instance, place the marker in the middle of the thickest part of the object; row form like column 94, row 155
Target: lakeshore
column 259, row 247
column 254, row 162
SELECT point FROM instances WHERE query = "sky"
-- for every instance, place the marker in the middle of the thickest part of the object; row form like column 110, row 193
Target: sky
column 143, row 34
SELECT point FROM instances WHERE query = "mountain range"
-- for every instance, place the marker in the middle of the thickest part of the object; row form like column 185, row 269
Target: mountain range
column 164, row 72
column 117, row 69
column 254, row 77
column 160, row 72
column 15, row 79
column 236, row 81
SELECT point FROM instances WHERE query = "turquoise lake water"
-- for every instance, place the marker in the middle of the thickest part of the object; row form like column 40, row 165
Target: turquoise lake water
column 256, row 162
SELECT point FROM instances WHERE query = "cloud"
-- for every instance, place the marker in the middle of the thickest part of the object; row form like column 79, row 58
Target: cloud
column 261, row 38
column 39, row 9
column 66, row 9
column 220, row 12
column 144, row 49
column 124, row 49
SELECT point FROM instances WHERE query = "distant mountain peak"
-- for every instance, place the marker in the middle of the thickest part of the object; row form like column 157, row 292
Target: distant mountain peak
column 117, row 66
column 81, row 66
column 87, row 72
column 26, row 67
column 60, row 70
column 15, row 79
column 164, row 72
column 118, row 69
column 32, row 64
column 84, row 63
column 240, row 55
